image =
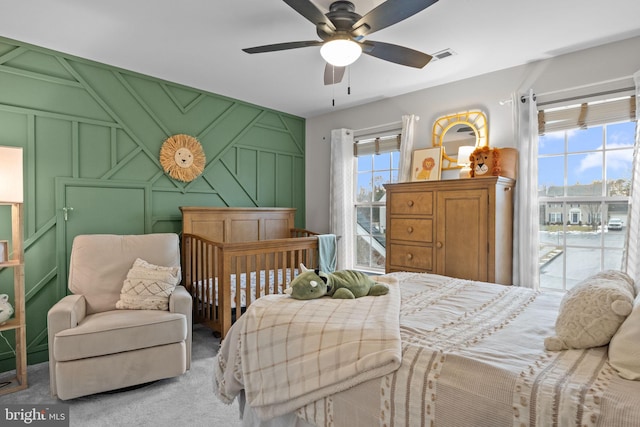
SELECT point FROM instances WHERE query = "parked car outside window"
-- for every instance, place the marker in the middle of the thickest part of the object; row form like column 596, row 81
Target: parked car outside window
column 614, row 224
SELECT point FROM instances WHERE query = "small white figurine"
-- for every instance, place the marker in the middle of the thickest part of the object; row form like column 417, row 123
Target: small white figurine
column 6, row 310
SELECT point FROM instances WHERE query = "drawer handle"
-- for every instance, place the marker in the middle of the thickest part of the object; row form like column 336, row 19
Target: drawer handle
column 409, row 257
column 439, row 245
column 409, row 230
column 410, row 203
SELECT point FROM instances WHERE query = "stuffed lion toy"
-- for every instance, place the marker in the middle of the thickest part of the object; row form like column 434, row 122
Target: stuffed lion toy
column 485, row 161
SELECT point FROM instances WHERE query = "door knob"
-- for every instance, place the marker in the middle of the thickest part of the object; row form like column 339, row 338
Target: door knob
column 66, row 211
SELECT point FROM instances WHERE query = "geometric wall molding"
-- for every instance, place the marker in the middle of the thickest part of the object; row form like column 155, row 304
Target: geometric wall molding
column 80, row 120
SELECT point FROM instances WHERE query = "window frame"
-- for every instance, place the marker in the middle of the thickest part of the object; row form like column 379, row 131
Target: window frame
column 567, row 206
column 388, row 143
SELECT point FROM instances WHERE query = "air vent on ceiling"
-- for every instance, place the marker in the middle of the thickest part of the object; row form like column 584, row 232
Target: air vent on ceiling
column 442, row 54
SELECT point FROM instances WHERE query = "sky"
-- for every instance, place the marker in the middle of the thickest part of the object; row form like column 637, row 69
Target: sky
column 583, row 164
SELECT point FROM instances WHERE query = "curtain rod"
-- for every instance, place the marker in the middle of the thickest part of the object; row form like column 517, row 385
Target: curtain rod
column 523, row 98
column 384, row 126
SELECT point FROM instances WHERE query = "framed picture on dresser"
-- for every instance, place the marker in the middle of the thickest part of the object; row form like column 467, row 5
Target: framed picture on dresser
column 426, row 164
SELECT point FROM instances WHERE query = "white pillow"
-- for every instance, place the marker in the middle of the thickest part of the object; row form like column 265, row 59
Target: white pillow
column 592, row 311
column 624, row 348
column 148, row 286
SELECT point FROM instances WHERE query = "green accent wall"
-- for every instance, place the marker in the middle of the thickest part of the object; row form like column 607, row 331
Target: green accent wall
column 85, row 124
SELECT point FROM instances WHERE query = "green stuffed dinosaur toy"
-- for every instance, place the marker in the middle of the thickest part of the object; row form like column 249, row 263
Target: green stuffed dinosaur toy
column 343, row 284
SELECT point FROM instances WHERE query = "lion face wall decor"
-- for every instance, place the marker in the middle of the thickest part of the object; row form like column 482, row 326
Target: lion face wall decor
column 182, row 157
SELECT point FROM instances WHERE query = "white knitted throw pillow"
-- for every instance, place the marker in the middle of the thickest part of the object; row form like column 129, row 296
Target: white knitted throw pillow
column 148, row 286
column 591, row 312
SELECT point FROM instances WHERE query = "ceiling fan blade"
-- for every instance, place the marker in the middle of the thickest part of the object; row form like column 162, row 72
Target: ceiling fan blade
column 282, row 46
column 394, row 53
column 312, row 13
column 333, row 74
column 388, row 13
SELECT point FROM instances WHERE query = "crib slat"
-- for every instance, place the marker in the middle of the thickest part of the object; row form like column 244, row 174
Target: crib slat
column 292, row 264
column 207, row 285
column 224, row 286
column 272, row 280
column 278, row 266
column 215, row 283
column 249, row 283
column 197, row 269
column 260, row 278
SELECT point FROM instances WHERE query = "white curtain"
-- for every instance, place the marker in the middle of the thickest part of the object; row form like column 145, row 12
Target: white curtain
column 406, row 147
column 632, row 259
column 341, row 195
column 526, row 226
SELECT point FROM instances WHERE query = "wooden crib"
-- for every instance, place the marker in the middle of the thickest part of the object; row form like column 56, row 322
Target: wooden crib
column 232, row 256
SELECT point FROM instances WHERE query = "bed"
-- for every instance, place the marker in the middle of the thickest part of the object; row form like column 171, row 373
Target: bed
column 232, row 256
column 468, row 354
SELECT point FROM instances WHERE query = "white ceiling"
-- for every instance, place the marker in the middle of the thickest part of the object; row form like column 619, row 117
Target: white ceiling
column 198, row 42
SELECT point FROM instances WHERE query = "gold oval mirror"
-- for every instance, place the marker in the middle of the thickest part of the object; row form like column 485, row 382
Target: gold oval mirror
column 456, row 130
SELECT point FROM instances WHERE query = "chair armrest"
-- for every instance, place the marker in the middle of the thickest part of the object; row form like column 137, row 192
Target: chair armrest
column 66, row 313
column 180, row 302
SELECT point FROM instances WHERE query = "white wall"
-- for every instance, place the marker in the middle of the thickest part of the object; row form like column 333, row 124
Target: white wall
column 611, row 62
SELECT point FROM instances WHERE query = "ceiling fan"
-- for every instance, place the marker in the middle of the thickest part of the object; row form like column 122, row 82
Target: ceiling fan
column 342, row 28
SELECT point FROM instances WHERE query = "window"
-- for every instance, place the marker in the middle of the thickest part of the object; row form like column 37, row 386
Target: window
column 377, row 164
column 555, row 217
column 584, row 180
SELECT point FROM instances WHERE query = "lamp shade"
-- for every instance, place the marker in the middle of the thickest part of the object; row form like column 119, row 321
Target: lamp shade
column 11, row 175
column 341, row 52
column 464, row 152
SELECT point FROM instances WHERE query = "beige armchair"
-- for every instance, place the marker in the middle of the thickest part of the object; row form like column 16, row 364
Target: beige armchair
column 94, row 347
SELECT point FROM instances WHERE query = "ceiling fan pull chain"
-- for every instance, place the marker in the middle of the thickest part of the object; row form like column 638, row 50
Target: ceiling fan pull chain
column 349, row 80
column 333, row 86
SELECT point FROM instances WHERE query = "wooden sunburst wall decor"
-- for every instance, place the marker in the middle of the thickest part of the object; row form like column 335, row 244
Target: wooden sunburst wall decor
column 182, row 157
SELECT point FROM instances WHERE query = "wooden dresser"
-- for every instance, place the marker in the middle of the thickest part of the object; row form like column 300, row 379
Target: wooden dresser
column 460, row 228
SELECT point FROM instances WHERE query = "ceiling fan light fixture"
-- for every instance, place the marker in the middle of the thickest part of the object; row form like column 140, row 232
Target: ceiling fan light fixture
column 341, row 52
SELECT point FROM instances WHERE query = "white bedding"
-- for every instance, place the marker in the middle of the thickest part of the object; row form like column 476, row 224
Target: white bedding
column 283, row 276
column 472, row 355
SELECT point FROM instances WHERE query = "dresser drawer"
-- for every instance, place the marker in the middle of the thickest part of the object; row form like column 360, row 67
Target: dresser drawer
column 411, row 202
column 411, row 257
column 412, row 229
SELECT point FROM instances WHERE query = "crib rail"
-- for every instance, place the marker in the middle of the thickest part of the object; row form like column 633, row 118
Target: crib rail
column 265, row 266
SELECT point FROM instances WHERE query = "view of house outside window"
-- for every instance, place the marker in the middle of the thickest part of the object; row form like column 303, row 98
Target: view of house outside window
column 373, row 171
column 584, row 181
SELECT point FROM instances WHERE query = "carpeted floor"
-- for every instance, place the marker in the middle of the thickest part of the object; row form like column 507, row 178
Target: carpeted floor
column 185, row 401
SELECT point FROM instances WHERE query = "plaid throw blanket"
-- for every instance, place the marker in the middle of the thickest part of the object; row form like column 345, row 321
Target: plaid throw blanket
column 286, row 353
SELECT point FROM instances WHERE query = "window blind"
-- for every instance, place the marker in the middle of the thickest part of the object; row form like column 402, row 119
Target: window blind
column 586, row 114
column 376, row 140
column 377, row 145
